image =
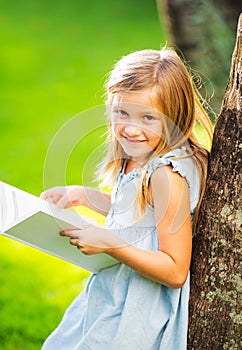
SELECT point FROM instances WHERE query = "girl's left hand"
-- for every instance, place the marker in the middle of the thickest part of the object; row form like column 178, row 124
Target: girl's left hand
column 92, row 239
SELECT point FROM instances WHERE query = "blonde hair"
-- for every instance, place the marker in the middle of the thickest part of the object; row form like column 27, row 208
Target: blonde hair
column 176, row 94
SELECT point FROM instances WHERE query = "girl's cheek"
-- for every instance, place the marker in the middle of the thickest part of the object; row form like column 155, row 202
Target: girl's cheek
column 117, row 128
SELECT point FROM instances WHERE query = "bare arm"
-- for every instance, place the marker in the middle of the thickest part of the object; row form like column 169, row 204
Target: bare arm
column 170, row 264
column 97, row 200
column 68, row 196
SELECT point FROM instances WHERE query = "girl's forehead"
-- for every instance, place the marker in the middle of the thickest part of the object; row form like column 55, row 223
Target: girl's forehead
column 146, row 99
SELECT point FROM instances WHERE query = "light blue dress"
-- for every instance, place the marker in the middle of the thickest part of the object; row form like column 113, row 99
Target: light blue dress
column 119, row 309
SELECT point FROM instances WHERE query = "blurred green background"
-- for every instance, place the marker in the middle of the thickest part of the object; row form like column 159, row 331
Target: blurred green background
column 54, row 57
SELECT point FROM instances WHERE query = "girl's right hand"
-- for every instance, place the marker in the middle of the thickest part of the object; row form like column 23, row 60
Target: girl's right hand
column 65, row 196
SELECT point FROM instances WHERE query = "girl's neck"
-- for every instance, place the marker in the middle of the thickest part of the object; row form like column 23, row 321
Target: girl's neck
column 131, row 164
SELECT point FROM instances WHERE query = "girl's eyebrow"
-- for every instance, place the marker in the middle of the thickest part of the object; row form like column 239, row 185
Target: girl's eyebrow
column 153, row 112
column 118, row 107
column 145, row 111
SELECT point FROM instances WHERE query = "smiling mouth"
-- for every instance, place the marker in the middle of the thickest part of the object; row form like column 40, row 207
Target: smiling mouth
column 134, row 141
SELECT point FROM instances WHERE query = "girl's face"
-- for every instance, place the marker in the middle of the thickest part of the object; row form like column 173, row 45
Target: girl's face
column 137, row 123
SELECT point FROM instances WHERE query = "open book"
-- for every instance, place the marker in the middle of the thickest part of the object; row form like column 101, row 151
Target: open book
column 33, row 221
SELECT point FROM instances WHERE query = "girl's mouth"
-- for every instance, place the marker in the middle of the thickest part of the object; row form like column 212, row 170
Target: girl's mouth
column 133, row 141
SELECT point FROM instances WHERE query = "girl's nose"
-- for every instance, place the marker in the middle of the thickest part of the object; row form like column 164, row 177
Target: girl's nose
column 132, row 130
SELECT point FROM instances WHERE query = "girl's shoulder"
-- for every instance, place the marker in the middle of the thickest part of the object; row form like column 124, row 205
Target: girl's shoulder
column 183, row 163
column 180, row 160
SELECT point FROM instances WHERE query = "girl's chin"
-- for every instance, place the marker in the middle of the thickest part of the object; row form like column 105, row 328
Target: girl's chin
column 139, row 158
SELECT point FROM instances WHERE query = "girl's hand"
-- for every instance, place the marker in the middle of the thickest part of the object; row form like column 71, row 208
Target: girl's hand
column 69, row 196
column 93, row 239
column 65, row 196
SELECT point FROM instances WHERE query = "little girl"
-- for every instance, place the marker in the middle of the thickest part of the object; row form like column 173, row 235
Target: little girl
column 158, row 171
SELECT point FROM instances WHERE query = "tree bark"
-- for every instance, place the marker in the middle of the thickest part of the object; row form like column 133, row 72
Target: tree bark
column 204, row 31
column 215, row 318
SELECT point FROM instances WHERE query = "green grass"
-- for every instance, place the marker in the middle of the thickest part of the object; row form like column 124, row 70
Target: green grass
column 54, row 57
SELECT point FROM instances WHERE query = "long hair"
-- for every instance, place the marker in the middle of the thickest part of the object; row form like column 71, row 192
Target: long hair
column 179, row 101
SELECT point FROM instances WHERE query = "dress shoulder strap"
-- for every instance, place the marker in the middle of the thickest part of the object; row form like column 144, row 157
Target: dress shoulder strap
column 185, row 165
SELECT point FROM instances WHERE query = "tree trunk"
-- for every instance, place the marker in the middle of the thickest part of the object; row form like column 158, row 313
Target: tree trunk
column 204, row 31
column 215, row 317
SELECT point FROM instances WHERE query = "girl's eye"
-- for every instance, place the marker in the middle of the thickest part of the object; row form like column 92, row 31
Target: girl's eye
column 148, row 118
column 121, row 113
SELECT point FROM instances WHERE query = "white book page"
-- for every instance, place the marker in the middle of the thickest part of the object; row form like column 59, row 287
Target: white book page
column 37, row 223
column 15, row 205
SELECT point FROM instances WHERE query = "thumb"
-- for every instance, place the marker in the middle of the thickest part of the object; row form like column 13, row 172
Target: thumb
column 43, row 195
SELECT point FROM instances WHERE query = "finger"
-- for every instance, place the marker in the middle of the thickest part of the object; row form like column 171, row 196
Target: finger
column 67, row 233
column 86, row 226
column 50, row 196
column 64, row 202
column 82, row 248
column 74, row 241
column 78, row 244
column 43, row 195
column 70, row 233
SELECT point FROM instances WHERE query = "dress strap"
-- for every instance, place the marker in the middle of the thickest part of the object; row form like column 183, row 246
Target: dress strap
column 185, row 165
